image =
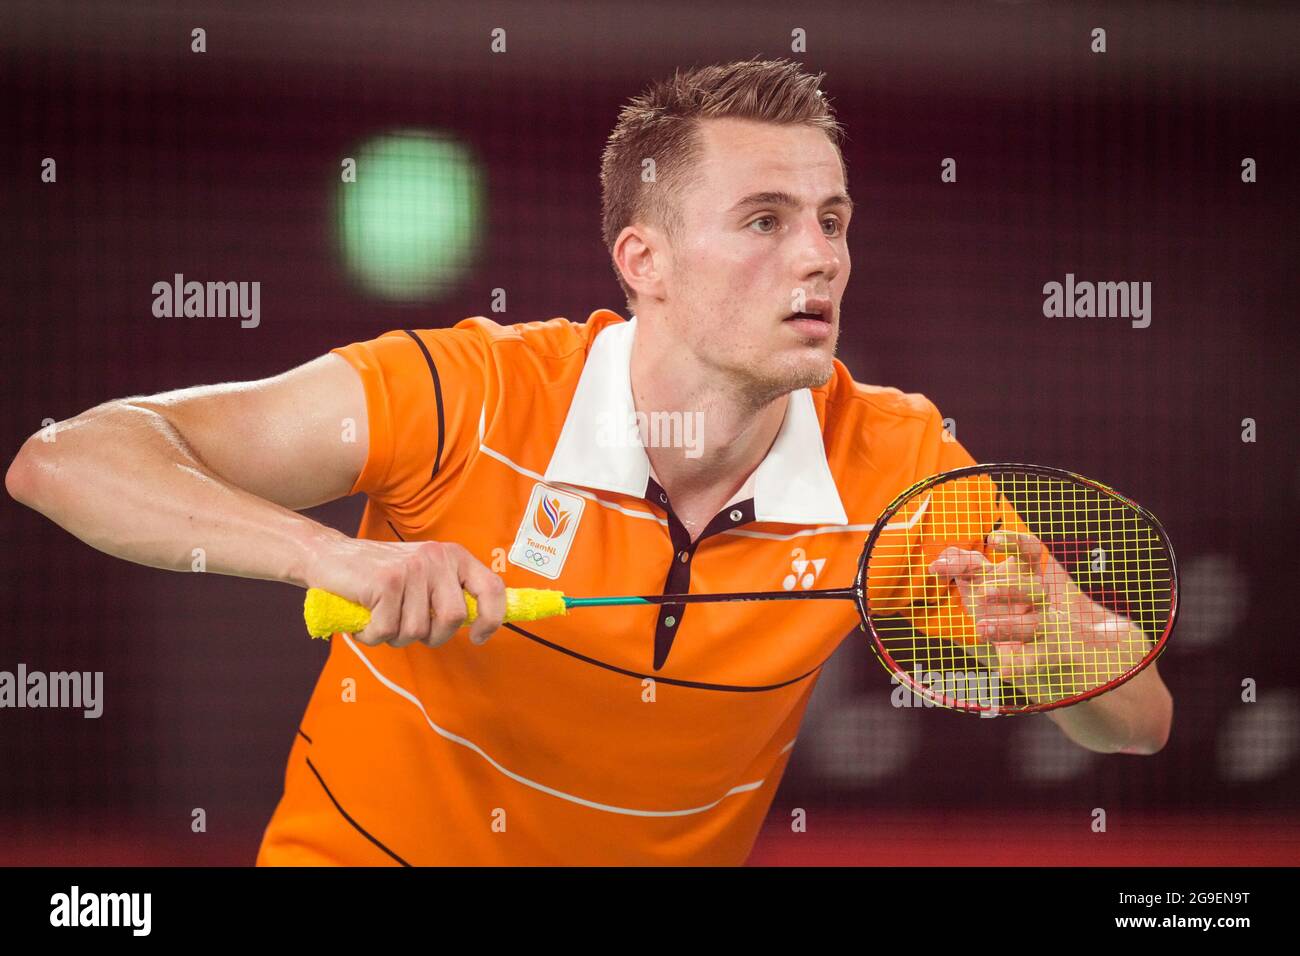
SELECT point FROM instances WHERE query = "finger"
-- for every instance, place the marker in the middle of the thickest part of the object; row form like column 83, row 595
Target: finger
column 490, row 593
column 998, row 628
column 415, row 620
column 1007, row 595
column 957, row 563
column 1024, row 546
column 1013, row 571
column 961, row 569
column 448, row 608
column 386, row 614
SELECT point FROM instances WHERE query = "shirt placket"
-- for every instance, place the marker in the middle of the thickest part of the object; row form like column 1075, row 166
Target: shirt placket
column 678, row 580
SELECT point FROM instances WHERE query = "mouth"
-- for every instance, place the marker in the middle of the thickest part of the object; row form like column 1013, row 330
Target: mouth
column 818, row 310
column 814, row 321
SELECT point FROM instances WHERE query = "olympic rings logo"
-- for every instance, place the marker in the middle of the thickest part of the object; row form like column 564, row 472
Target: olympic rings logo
column 537, row 557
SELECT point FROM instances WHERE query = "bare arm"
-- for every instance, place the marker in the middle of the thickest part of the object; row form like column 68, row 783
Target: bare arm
column 217, row 467
column 1132, row 719
column 1099, row 645
column 222, row 468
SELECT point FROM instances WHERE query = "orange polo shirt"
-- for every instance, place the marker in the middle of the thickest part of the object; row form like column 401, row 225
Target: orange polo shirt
column 612, row 735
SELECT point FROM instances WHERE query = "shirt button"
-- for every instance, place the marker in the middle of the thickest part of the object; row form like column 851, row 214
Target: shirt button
column 736, row 516
column 663, row 498
column 669, row 621
column 683, row 556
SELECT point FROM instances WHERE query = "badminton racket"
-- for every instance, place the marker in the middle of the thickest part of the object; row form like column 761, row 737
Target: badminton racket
column 990, row 589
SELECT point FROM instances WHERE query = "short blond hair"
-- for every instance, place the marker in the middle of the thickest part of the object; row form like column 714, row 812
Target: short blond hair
column 662, row 124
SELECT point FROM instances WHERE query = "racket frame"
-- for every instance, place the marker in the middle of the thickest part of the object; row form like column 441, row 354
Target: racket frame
column 901, row 675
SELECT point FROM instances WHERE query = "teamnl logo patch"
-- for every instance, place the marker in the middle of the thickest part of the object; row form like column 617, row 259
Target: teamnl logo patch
column 546, row 533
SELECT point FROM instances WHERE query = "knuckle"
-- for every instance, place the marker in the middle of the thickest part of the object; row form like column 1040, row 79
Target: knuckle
column 416, row 566
column 429, row 549
column 381, row 628
column 448, row 614
column 412, row 630
column 440, row 556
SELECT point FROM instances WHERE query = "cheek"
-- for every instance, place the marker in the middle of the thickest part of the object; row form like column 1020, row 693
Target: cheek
column 744, row 272
column 725, row 261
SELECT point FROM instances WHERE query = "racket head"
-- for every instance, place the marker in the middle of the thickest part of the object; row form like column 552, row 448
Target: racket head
column 1134, row 574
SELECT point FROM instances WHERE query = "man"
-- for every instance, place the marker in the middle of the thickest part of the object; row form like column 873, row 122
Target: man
column 524, row 455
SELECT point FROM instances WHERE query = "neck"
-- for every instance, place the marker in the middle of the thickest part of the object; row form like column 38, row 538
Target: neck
column 732, row 429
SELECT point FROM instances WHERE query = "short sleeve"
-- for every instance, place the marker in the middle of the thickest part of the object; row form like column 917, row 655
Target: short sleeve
column 986, row 508
column 940, row 450
column 424, row 392
column 959, row 513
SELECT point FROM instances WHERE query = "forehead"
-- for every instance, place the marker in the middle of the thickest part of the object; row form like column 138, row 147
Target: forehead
column 739, row 157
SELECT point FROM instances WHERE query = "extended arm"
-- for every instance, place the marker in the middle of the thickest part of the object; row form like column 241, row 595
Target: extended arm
column 1043, row 634
column 217, row 467
column 222, row 468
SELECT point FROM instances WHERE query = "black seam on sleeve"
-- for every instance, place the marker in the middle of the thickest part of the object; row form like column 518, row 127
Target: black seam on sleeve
column 437, row 398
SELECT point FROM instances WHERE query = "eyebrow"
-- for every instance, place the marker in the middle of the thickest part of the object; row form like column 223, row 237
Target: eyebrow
column 781, row 198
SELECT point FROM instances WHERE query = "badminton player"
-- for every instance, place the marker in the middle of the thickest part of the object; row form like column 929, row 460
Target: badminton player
column 710, row 441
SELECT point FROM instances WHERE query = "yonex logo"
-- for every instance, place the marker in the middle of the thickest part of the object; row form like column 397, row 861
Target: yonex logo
column 804, row 571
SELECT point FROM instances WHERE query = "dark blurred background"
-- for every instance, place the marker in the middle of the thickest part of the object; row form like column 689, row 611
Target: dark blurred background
column 225, row 165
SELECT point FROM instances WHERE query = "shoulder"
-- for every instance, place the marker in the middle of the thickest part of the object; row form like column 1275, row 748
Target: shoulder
column 893, row 436
column 544, row 349
column 850, row 403
column 550, row 338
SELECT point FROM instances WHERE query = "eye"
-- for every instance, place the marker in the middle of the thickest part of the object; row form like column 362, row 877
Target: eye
column 767, row 219
column 835, row 225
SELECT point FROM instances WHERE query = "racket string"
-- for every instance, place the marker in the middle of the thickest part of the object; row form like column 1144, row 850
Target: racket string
column 1085, row 615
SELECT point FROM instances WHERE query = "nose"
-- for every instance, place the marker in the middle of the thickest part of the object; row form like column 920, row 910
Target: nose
column 817, row 256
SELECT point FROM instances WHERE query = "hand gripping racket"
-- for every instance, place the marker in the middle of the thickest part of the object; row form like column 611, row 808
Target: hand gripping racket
column 991, row 589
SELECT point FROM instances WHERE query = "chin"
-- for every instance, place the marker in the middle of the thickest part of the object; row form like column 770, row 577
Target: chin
column 806, row 372
column 817, row 376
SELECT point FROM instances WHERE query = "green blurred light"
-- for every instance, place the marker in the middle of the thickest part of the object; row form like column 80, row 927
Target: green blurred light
column 410, row 224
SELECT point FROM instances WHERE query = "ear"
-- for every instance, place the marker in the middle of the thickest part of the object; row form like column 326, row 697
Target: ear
column 640, row 257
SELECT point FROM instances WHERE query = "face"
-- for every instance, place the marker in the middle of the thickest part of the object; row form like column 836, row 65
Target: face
column 762, row 237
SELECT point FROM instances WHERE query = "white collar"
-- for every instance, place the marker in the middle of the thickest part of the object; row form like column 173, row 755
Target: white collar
column 793, row 484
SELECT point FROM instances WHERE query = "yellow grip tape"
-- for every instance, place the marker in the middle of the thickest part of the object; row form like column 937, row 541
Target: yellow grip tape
column 327, row 613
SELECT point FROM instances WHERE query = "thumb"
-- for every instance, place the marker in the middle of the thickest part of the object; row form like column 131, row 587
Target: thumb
column 1024, row 546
